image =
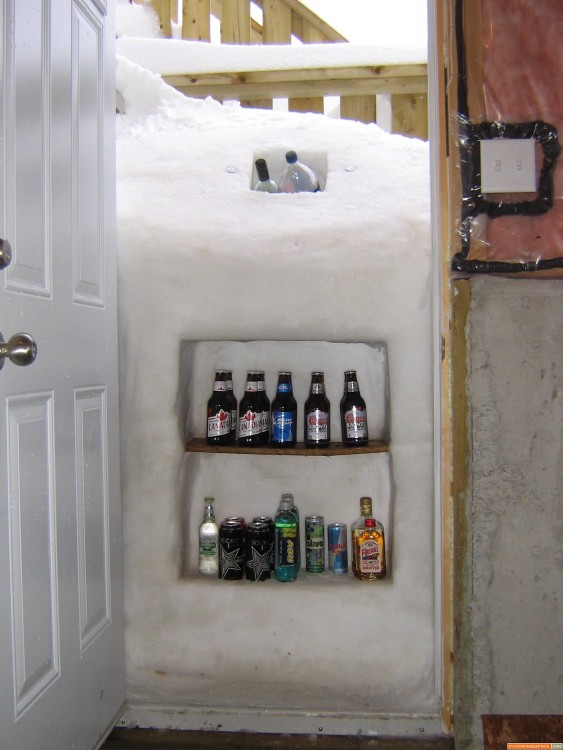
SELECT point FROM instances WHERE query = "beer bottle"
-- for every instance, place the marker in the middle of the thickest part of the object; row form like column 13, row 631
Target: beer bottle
column 219, row 412
column 284, row 413
column 353, row 415
column 317, row 414
column 265, row 183
column 209, row 540
column 250, row 413
column 265, row 415
column 369, row 552
column 233, row 403
column 286, row 541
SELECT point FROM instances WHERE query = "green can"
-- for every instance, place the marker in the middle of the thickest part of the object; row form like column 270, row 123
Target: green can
column 315, row 544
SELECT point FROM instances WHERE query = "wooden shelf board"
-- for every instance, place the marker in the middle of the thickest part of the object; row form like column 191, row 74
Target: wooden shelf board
column 199, row 445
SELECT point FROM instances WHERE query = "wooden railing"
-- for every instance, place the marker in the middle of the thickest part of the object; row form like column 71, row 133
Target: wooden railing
column 357, row 86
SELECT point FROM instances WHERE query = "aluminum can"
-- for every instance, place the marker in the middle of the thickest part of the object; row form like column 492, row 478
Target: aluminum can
column 314, row 544
column 337, row 548
column 271, row 526
column 258, row 547
column 231, row 551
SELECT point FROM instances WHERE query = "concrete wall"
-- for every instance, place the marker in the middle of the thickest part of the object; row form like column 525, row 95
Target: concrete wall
column 509, row 658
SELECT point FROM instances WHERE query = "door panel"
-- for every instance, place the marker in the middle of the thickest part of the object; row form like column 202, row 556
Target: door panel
column 61, row 625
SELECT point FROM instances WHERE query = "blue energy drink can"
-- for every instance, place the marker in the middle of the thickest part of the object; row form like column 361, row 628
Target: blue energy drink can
column 337, row 548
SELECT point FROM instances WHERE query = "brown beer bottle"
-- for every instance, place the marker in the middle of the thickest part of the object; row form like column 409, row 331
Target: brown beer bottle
column 316, row 432
column 250, row 413
column 219, row 412
column 353, row 415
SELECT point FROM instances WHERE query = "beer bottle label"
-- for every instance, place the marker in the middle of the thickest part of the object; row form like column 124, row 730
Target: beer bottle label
column 219, row 424
column 283, row 426
column 317, row 426
column 356, row 423
column 370, row 557
column 208, row 547
column 220, row 386
column 284, row 388
column 249, row 423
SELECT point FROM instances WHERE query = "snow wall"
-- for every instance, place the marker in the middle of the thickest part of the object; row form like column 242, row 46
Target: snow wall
column 206, row 265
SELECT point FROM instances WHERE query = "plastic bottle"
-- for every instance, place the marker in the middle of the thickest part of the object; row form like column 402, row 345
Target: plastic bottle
column 265, row 183
column 209, row 540
column 295, row 510
column 298, row 177
column 286, row 542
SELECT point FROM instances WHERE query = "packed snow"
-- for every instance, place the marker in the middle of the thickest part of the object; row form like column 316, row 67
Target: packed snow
column 210, row 269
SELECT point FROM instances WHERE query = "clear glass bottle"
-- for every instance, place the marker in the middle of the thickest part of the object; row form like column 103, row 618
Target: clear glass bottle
column 286, row 542
column 284, row 414
column 370, row 552
column 353, row 414
column 317, row 414
column 297, row 177
column 265, row 184
column 209, row 540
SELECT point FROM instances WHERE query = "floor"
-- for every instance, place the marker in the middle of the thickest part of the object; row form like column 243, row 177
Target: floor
column 157, row 739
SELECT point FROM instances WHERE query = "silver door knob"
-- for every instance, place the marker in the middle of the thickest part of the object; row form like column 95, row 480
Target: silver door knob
column 5, row 254
column 21, row 349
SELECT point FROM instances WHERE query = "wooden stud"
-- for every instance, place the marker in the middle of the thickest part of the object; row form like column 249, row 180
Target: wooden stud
column 163, row 9
column 276, row 22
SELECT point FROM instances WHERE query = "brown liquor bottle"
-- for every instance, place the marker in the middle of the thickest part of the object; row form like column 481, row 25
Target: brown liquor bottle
column 359, row 525
column 370, row 552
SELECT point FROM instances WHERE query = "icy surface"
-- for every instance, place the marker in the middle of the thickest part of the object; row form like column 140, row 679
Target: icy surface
column 204, row 258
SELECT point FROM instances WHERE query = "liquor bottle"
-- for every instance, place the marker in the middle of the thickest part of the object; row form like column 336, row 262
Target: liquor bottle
column 359, row 525
column 370, row 552
column 265, row 415
column 353, row 415
column 233, row 403
column 286, row 542
column 265, row 183
column 284, row 413
column 219, row 412
column 250, row 413
column 295, row 510
column 297, row 177
column 317, row 414
column 209, row 540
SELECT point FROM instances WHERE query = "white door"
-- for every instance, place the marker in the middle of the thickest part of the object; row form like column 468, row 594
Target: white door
column 61, row 629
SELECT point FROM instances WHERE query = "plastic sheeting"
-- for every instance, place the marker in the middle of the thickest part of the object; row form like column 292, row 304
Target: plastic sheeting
column 507, row 87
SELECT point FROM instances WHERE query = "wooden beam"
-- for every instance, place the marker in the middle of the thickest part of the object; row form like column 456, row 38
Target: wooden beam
column 250, row 86
column 196, row 20
column 309, row 35
column 235, row 22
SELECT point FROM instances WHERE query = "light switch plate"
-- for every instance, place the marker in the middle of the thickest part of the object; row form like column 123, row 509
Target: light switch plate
column 508, row 165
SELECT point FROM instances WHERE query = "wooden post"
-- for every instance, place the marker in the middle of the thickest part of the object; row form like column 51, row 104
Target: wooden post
column 196, row 20
column 276, row 22
column 361, row 108
column 309, row 35
column 410, row 115
column 235, row 22
column 163, row 10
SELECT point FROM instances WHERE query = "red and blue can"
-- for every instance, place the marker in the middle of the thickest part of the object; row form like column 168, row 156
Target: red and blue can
column 337, row 548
